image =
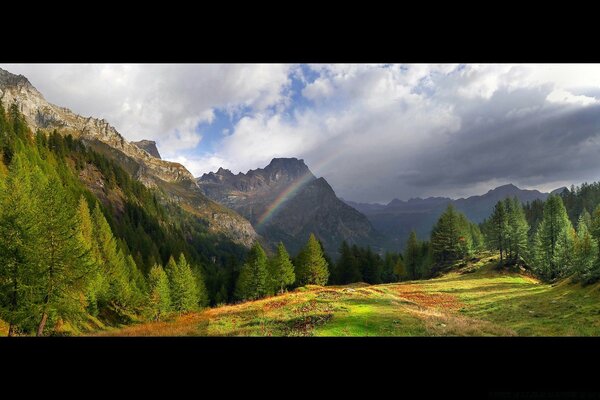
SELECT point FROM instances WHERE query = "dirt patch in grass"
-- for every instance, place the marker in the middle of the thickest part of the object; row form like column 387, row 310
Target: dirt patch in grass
column 439, row 323
column 304, row 326
column 273, row 305
column 428, row 300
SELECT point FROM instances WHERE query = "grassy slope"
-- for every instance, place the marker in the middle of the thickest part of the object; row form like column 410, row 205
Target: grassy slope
column 474, row 300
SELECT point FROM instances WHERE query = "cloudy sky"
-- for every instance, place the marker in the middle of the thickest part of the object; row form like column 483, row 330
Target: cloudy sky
column 375, row 132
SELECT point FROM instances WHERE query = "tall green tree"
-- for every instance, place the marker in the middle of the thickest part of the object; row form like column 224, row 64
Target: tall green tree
column 252, row 282
column 312, row 268
column 346, row 269
column 450, row 236
column 517, row 229
column 184, row 292
column 281, row 269
column 554, row 241
column 65, row 257
column 586, row 253
column 412, row 256
column 159, row 297
column 17, row 232
column 499, row 229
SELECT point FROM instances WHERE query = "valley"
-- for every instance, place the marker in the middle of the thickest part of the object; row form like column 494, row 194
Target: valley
column 471, row 300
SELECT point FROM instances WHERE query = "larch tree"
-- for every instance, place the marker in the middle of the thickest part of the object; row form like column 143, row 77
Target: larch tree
column 554, row 241
column 586, row 253
column 312, row 268
column 412, row 256
column 499, row 230
column 17, row 232
column 252, row 282
column 184, row 292
column 65, row 258
column 159, row 297
column 517, row 229
column 281, row 269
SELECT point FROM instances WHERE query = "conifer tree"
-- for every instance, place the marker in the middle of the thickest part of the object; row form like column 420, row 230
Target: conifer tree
column 17, row 232
column 450, row 236
column 517, row 229
column 253, row 282
column 281, row 269
column 312, row 268
column 554, row 240
column 412, row 256
column 586, row 253
column 159, row 297
column 499, row 230
column 65, row 258
column 184, row 292
column 347, row 269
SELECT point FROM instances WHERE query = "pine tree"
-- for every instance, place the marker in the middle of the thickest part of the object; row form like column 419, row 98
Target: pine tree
column 203, row 297
column 281, row 269
column 499, row 230
column 347, row 269
column 159, row 297
column 312, row 268
column 412, row 256
column 65, row 258
column 253, row 282
column 450, row 236
column 112, row 280
column 184, row 292
column 554, row 240
column 586, row 253
column 17, row 232
column 517, row 229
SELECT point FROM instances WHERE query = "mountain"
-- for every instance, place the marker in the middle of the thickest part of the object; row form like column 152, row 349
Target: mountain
column 149, row 146
column 396, row 219
column 170, row 178
column 285, row 202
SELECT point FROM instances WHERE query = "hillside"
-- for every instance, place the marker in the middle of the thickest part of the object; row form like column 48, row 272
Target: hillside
column 285, row 202
column 473, row 300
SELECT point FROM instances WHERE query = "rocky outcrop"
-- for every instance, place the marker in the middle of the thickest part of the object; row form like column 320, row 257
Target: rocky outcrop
column 41, row 114
column 286, row 202
column 149, row 146
column 141, row 160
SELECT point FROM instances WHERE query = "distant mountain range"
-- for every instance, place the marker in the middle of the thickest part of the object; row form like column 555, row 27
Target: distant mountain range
column 285, row 202
column 396, row 219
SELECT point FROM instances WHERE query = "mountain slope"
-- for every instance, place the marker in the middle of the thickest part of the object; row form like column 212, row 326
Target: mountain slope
column 173, row 179
column 396, row 219
column 285, row 202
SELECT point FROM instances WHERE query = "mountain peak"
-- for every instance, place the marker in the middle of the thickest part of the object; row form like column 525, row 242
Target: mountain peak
column 10, row 79
column 290, row 164
column 149, row 146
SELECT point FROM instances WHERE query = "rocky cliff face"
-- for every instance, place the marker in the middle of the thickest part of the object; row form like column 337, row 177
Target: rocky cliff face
column 41, row 114
column 171, row 178
column 286, row 202
column 149, row 146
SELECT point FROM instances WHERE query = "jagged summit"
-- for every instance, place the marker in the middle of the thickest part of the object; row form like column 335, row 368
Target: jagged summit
column 149, row 146
column 10, row 79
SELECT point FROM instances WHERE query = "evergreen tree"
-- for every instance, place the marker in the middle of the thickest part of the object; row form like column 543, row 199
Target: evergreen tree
column 517, row 229
column 346, row 269
column 252, row 282
column 17, row 232
column 281, row 269
column 499, row 230
column 554, row 241
column 184, row 292
column 586, row 253
column 64, row 260
column 159, row 297
column 111, row 282
column 203, row 297
column 412, row 256
column 312, row 268
column 450, row 237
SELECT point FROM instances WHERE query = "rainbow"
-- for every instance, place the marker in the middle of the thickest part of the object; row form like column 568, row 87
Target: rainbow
column 288, row 193
column 291, row 190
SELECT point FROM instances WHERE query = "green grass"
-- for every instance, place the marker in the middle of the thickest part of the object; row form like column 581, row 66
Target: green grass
column 472, row 300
